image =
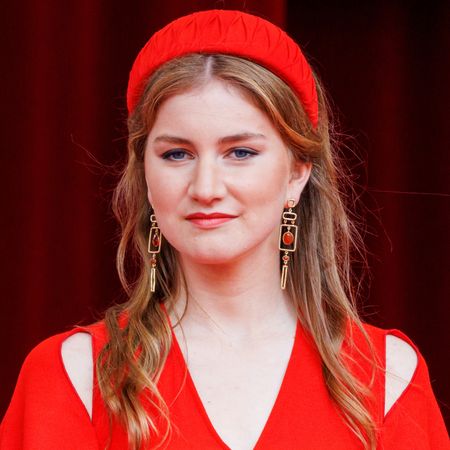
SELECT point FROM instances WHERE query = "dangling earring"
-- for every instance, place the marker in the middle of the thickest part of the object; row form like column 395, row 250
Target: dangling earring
column 288, row 239
column 154, row 247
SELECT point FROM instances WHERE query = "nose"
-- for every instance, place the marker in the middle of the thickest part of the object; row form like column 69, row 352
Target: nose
column 207, row 182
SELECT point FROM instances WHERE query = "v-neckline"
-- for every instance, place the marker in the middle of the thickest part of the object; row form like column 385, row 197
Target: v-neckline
column 275, row 406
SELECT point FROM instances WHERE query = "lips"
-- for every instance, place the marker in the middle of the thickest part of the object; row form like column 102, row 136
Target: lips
column 209, row 221
column 215, row 215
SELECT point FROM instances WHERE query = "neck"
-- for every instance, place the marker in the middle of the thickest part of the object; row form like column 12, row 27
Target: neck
column 243, row 297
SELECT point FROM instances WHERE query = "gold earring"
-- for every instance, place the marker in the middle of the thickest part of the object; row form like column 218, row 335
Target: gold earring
column 287, row 239
column 154, row 247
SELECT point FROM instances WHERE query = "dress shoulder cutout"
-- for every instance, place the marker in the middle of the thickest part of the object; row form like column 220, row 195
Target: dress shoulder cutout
column 44, row 399
column 397, row 356
column 76, row 352
column 401, row 363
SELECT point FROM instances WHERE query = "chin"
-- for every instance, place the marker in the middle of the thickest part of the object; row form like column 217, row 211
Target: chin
column 211, row 255
column 211, row 259
column 225, row 249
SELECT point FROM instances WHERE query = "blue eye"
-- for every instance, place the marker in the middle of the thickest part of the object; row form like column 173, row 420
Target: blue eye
column 170, row 154
column 243, row 153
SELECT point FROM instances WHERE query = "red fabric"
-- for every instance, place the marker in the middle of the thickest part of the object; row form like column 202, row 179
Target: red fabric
column 46, row 413
column 229, row 32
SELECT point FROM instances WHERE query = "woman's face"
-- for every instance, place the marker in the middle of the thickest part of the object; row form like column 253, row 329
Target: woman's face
column 212, row 151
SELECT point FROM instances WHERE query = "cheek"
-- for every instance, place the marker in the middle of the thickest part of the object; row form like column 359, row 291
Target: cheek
column 159, row 183
column 263, row 194
column 266, row 184
column 164, row 193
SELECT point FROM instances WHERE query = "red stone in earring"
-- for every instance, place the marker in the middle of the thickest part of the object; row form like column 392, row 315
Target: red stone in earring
column 288, row 238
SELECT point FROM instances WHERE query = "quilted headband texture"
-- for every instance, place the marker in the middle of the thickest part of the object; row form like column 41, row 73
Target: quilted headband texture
column 227, row 32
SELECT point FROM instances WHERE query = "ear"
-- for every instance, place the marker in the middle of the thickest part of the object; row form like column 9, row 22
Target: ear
column 300, row 173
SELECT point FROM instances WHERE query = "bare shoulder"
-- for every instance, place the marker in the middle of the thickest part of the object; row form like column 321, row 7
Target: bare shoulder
column 76, row 352
column 401, row 363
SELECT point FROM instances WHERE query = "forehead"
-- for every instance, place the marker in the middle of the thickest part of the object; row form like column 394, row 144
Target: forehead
column 213, row 105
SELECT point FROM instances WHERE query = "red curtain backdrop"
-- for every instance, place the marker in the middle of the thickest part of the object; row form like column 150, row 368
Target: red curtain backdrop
column 64, row 73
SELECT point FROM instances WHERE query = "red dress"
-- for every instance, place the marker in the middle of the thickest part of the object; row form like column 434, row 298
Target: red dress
column 46, row 413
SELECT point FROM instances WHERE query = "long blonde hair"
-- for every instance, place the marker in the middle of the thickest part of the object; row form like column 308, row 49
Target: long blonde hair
column 319, row 284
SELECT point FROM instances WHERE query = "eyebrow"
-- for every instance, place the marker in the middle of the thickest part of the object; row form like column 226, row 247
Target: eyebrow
column 224, row 140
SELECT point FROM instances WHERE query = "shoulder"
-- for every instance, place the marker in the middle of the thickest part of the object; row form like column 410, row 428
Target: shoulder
column 401, row 356
column 59, row 371
column 402, row 352
column 45, row 410
column 45, row 357
column 399, row 353
column 401, row 364
column 51, row 367
column 77, row 356
column 76, row 347
column 398, row 356
column 411, row 410
column 42, row 379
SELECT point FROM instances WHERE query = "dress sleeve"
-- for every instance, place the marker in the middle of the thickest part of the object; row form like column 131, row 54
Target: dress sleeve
column 45, row 411
column 415, row 421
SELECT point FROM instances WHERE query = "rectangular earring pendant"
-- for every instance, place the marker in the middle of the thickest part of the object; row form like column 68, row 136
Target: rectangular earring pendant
column 288, row 238
column 152, row 279
column 154, row 240
column 284, row 276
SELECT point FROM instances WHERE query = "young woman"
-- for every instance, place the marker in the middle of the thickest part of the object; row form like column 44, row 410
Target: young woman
column 240, row 330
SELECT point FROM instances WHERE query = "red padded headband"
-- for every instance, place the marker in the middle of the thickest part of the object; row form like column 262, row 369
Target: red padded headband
column 227, row 32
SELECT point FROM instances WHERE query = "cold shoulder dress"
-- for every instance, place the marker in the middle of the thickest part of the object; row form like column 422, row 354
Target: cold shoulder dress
column 46, row 413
